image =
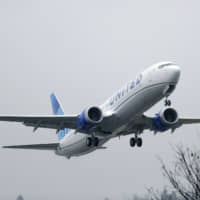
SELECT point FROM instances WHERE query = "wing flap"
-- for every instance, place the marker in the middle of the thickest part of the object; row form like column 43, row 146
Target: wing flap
column 50, row 146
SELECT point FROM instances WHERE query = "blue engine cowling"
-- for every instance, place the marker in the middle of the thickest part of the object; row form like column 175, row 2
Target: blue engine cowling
column 89, row 118
column 166, row 119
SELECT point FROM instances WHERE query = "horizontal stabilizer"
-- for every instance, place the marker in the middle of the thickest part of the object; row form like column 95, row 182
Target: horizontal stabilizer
column 51, row 146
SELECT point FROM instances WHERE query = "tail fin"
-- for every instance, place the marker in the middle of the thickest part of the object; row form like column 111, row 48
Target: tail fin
column 58, row 110
column 56, row 106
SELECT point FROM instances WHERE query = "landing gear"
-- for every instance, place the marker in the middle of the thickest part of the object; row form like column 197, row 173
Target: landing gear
column 92, row 141
column 95, row 141
column 89, row 142
column 136, row 141
column 132, row 142
column 167, row 102
column 139, row 142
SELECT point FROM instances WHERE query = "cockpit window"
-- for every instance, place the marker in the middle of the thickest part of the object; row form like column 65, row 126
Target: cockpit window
column 165, row 65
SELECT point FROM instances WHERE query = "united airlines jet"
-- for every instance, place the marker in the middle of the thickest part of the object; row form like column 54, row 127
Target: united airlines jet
column 122, row 114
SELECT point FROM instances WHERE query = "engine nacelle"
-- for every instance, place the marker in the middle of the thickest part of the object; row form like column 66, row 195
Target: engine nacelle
column 166, row 119
column 89, row 118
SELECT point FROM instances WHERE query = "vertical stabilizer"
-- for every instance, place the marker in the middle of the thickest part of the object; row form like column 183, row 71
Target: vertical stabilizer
column 58, row 110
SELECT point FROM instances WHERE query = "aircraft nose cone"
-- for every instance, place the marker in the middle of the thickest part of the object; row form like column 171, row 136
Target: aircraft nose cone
column 176, row 70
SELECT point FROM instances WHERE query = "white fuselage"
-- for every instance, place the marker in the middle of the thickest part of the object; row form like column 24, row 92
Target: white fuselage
column 130, row 102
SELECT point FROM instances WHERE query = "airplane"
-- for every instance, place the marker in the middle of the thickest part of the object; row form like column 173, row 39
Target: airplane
column 122, row 114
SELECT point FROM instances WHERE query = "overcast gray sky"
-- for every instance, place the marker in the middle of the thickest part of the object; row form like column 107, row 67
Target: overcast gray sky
column 84, row 51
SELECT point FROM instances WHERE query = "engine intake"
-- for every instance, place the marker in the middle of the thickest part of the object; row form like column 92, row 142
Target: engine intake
column 89, row 118
column 166, row 119
column 94, row 114
column 170, row 116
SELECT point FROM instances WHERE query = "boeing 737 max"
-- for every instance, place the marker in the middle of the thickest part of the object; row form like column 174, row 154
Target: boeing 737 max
column 122, row 114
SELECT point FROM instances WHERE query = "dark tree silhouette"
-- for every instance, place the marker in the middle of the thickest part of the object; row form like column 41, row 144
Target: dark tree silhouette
column 164, row 195
column 185, row 175
column 20, row 197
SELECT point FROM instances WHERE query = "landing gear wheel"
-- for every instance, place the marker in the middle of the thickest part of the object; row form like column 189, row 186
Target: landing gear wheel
column 96, row 141
column 139, row 142
column 132, row 142
column 89, row 142
column 167, row 102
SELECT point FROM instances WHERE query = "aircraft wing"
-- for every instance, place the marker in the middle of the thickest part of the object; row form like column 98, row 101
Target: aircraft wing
column 51, row 146
column 189, row 121
column 146, row 123
column 50, row 121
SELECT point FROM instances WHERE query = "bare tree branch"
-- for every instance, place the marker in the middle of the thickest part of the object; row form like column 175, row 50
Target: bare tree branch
column 185, row 177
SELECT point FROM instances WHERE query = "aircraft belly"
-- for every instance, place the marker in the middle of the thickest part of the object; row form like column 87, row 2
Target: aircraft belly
column 141, row 102
column 153, row 95
column 91, row 149
column 135, row 105
column 77, row 146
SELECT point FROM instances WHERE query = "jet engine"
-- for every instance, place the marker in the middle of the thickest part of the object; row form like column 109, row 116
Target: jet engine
column 89, row 118
column 166, row 119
